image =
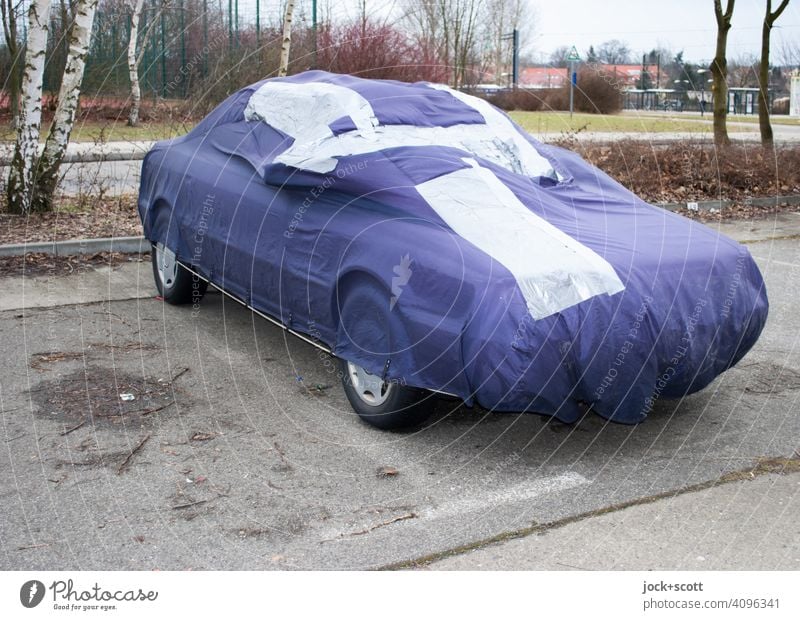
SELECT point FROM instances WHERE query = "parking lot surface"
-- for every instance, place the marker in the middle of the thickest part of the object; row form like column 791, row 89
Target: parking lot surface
column 238, row 449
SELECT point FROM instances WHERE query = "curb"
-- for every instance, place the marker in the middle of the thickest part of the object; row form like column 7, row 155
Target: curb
column 71, row 247
column 91, row 157
column 708, row 205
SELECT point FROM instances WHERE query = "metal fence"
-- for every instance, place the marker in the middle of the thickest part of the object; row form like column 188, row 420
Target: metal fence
column 180, row 42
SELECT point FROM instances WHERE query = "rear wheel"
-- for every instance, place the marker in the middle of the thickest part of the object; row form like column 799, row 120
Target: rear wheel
column 175, row 283
column 369, row 325
column 384, row 404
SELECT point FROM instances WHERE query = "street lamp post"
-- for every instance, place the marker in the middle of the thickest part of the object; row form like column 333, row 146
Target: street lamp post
column 702, row 73
column 514, row 38
column 314, row 28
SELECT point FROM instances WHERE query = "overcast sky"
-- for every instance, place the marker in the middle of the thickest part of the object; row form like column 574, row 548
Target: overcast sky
column 686, row 25
column 644, row 24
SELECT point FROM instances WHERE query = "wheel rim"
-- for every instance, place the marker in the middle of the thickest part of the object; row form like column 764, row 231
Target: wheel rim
column 167, row 266
column 370, row 388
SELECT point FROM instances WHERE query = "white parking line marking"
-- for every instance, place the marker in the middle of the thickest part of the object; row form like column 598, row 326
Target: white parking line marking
column 525, row 491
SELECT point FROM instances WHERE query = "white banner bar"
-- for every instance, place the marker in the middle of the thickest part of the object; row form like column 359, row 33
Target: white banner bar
column 399, row 595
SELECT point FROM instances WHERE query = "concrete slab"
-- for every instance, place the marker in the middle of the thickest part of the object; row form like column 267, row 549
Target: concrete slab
column 126, row 281
column 748, row 525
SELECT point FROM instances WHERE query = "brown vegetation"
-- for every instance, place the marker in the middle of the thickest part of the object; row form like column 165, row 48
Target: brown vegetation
column 595, row 93
column 697, row 171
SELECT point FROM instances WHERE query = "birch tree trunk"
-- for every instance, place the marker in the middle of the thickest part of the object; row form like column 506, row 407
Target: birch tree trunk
column 133, row 65
column 287, row 38
column 19, row 188
column 56, row 146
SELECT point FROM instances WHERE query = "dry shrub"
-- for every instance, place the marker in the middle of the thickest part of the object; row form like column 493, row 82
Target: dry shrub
column 377, row 50
column 682, row 171
column 520, row 99
column 595, row 93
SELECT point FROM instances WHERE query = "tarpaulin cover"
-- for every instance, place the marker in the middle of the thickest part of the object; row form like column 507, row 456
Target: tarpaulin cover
column 419, row 232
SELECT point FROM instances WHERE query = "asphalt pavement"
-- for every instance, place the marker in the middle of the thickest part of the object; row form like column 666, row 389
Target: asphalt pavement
column 239, row 450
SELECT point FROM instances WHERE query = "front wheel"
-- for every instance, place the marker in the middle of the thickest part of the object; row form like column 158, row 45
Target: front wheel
column 175, row 283
column 384, row 404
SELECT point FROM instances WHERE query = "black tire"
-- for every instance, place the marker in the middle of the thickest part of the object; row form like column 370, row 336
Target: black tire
column 179, row 286
column 366, row 312
column 404, row 407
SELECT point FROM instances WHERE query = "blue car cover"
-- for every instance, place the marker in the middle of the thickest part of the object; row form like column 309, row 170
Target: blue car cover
column 418, row 231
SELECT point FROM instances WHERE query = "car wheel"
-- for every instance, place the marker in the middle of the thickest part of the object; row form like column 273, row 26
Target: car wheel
column 175, row 283
column 384, row 404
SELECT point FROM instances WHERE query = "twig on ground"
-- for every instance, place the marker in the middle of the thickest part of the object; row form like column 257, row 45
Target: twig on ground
column 190, row 504
column 403, row 517
column 74, row 428
column 39, row 546
column 179, row 375
column 408, row 515
column 144, row 412
column 282, row 454
column 128, row 458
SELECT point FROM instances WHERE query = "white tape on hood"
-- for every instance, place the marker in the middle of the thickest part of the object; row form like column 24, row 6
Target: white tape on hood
column 553, row 271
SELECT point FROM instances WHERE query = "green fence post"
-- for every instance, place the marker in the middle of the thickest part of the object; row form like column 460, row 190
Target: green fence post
column 183, row 48
column 205, row 39
column 163, row 57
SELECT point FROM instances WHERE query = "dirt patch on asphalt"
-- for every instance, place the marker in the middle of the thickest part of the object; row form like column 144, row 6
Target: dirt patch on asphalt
column 38, row 264
column 104, row 398
column 767, row 378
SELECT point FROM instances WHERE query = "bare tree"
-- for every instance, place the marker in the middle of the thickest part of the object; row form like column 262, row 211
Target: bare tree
column 134, row 59
column 558, row 57
column 614, row 52
column 743, row 71
column 287, row 38
column 8, row 14
column 56, row 146
column 770, row 17
column 719, row 72
column 466, row 15
column 424, row 17
column 453, row 26
column 19, row 189
column 790, row 53
column 133, row 63
column 502, row 17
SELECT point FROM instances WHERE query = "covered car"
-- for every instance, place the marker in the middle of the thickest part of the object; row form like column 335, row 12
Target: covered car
column 424, row 239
